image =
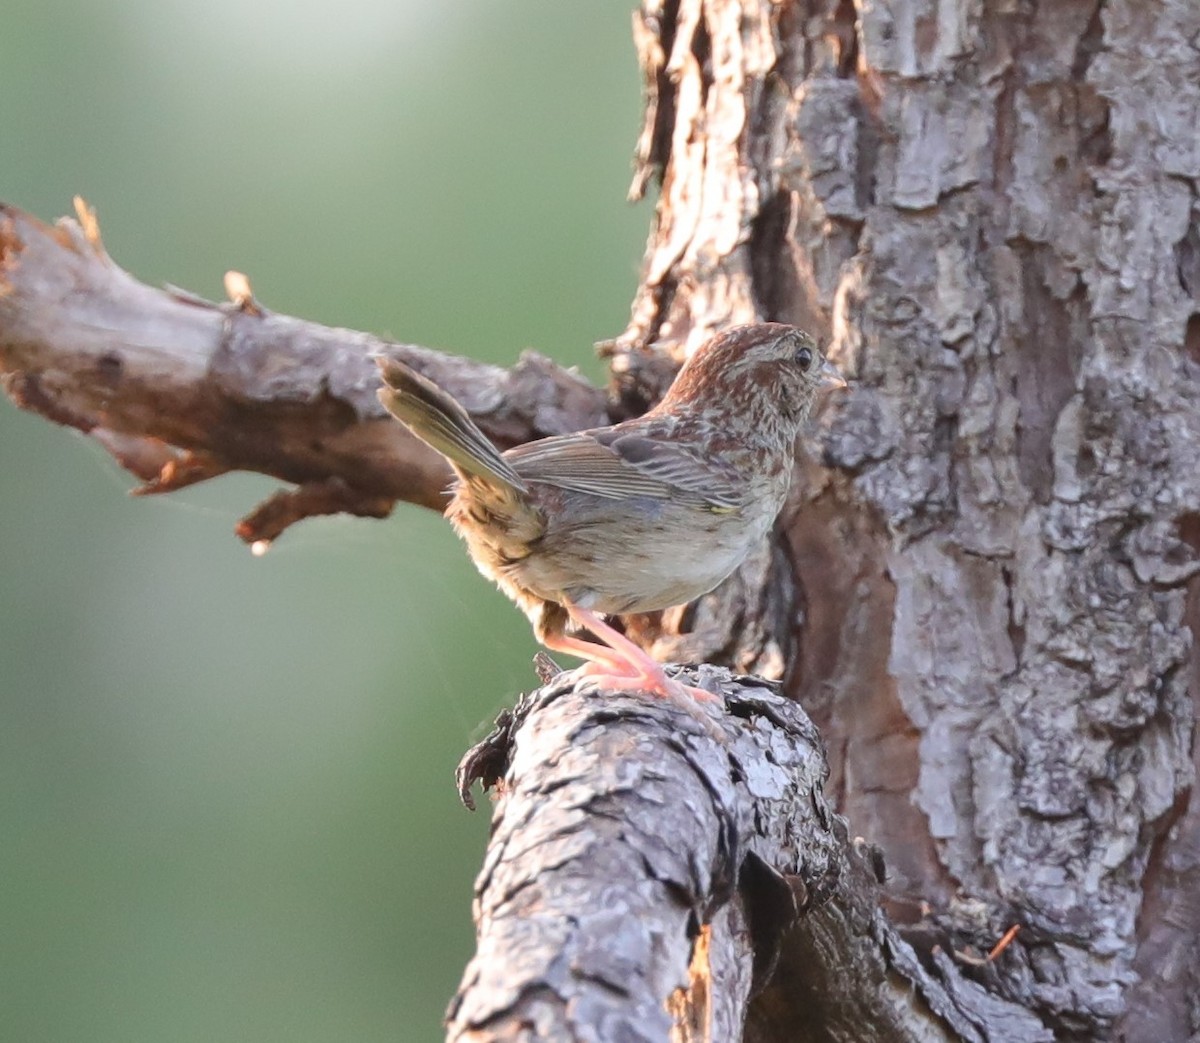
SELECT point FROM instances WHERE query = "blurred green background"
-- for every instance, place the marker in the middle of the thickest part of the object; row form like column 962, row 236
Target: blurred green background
column 226, row 799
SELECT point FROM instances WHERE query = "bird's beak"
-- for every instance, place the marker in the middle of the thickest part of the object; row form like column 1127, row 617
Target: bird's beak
column 830, row 377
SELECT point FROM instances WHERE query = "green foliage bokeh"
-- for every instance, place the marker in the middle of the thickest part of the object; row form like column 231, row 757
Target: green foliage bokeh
column 226, row 783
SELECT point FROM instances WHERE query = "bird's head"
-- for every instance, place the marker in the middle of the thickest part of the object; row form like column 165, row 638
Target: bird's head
column 769, row 373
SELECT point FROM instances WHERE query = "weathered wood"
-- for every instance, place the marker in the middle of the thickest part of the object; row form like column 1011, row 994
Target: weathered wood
column 646, row 870
column 991, row 211
column 180, row 389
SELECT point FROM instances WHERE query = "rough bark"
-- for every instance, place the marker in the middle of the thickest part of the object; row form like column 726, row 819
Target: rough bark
column 641, row 855
column 179, row 389
column 990, row 210
column 985, row 593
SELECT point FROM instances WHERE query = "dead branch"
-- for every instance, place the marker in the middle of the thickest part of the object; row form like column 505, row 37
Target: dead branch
column 180, row 389
column 648, row 879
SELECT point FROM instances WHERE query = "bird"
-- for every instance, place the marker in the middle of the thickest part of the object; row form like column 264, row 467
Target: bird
column 642, row 515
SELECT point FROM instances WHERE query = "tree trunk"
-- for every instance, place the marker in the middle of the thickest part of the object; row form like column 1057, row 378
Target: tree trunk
column 990, row 212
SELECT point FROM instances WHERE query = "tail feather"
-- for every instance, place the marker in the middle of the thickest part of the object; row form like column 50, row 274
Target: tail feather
column 439, row 421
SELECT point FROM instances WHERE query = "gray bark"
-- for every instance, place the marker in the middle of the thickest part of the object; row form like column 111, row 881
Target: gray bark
column 656, row 874
column 180, row 389
column 990, row 211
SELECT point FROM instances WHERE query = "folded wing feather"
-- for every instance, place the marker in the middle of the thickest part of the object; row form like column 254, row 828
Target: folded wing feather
column 622, row 465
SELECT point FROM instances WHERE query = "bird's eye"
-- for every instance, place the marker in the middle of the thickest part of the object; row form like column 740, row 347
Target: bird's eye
column 803, row 359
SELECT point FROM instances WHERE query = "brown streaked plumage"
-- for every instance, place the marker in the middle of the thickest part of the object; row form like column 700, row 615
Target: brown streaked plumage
column 643, row 515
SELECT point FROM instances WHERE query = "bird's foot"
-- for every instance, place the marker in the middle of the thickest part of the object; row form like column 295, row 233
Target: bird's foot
column 640, row 678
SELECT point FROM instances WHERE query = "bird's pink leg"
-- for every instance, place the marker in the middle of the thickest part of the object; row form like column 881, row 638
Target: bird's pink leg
column 618, row 663
column 596, row 655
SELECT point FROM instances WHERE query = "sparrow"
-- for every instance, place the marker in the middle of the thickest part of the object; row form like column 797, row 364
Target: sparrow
column 642, row 515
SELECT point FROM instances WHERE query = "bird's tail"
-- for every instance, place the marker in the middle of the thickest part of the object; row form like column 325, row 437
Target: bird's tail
column 439, row 421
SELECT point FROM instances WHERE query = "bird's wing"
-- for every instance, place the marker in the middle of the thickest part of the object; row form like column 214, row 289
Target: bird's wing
column 620, row 465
